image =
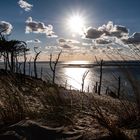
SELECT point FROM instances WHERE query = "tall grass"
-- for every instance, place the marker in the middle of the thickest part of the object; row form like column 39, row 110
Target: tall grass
column 13, row 107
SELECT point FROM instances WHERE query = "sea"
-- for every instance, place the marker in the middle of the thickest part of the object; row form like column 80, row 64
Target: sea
column 70, row 74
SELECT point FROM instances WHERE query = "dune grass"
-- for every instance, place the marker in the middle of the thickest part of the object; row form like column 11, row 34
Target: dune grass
column 37, row 100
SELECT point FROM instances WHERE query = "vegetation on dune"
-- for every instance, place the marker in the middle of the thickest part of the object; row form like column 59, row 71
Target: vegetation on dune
column 55, row 106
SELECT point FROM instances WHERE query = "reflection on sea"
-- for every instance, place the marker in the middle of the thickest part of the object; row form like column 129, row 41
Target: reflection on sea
column 74, row 77
column 71, row 75
column 72, row 72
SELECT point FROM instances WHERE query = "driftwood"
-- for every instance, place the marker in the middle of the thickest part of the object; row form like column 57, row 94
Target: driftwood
column 31, row 130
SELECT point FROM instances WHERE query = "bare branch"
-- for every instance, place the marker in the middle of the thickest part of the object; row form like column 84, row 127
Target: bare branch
column 53, row 67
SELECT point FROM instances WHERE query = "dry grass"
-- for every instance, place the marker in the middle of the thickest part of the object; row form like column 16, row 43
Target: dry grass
column 38, row 100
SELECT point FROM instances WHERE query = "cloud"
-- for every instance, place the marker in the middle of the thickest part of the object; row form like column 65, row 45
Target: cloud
column 52, row 36
column 102, row 41
column 37, row 41
column 5, row 27
column 93, row 33
column 61, row 40
column 25, row 5
column 86, row 44
column 73, row 41
column 107, row 30
column 121, row 28
column 51, row 48
column 114, row 30
column 39, row 27
column 65, row 46
column 134, row 39
column 68, row 46
column 33, row 41
column 70, row 41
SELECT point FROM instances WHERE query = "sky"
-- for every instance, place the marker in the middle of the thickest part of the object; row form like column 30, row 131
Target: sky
column 77, row 27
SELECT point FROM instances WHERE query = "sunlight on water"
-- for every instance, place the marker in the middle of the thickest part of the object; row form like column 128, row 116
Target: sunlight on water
column 74, row 77
column 78, row 62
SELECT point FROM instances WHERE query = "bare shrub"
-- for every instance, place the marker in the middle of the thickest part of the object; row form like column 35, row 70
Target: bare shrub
column 53, row 65
column 35, row 59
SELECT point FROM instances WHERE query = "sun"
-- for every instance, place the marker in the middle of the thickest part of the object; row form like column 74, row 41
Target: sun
column 76, row 24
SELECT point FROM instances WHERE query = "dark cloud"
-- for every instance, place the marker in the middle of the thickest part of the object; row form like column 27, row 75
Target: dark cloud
column 37, row 41
column 103, row 41
column 51, row 47
column 109, row 29
column 61, row 40
column 66, row 46
column 39, row 27
column 69, row 41
column 63, row 43
column 5, row 27
column 121, row 29
column 25, row 5
column 93, row 33
column 73, row 41
column 134, row 39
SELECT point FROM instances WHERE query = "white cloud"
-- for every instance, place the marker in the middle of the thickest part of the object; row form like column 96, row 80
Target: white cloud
column 33, row 41
column 106, row 28
column 25, row 5
column 114, row 30
column 52, row 35
column 51, row 47
column 5, row 27
column 86, row 44
column 39, row 27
